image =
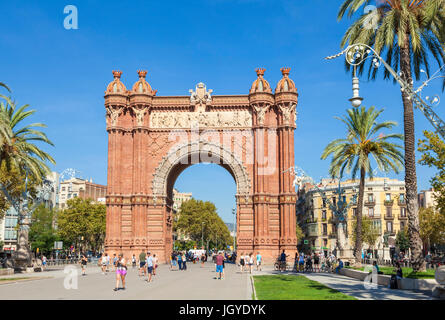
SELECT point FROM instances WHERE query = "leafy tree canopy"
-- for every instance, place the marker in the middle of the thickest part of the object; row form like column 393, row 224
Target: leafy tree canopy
column 199, row 219
column 433, row 156
column 83, row 218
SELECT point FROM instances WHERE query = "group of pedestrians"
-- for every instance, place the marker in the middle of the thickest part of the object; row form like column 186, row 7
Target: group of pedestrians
column 247, row 261
column 179, row 258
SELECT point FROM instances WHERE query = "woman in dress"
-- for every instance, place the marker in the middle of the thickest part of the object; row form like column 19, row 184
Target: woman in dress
column 121, row 271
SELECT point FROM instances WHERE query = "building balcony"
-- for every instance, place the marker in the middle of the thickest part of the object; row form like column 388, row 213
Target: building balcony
column 404, row 217
column 389, row 217
column 401, row 202
column 390, row 233
column 388, row 203
column 332, row 235
column 370, row 203
column 324, row 234
column 312, row 230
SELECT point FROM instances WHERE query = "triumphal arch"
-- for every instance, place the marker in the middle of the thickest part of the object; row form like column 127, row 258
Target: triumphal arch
column 152, row 139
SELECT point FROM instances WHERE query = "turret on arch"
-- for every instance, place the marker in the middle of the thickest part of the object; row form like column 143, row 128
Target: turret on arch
column 152, row 139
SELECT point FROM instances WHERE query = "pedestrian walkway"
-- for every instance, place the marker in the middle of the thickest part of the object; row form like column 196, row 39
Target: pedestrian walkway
column 354, row 287
column 196, row 283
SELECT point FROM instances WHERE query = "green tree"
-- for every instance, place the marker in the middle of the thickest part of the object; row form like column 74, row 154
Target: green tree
column 402, row 240
column 199, row 220
column 83, row 218
column 433, row 155
column 300, row 233
column 408, row 32
column 354, row 152
column 42, row 233
column 12, row 181
column 432, row 227
column 369, row 233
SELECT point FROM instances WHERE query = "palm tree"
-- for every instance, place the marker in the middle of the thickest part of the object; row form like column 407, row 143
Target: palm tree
column 407, row 31
column 17, row 149
column 354, row 153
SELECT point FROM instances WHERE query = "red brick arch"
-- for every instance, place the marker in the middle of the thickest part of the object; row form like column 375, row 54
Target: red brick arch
column 153, row 139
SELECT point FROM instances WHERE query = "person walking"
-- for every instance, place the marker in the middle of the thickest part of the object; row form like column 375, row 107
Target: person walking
column 301, row 262
column 133, row 261
column 316, row 263
column 142, row 262
column 250, row 262
column 149, row 266
column 173, row 260
column 179, row 261
column 283, row 257
column 219, row 265
column 83, row 264
column 259, row 259
column 114, row 261
column 184, row 261
column 241, row 262
column 121, row 271
column 43, row 262
column 155, row 264
column 103, row 263
column 203, row 259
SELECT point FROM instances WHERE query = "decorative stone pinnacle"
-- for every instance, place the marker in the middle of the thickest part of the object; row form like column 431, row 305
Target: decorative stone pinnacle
column 260, row 72
column 142, row 73
column 285, row 71
column 117, row 74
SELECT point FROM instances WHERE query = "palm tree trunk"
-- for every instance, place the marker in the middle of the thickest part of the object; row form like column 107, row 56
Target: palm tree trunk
column 358, row 231
column 417, row 260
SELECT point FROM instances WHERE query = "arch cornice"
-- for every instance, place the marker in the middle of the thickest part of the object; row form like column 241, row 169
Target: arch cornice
column 183, row 151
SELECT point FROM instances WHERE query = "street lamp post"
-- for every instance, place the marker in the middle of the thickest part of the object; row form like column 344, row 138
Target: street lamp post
column 356, row 54
column 202, row 234
column 234, row 229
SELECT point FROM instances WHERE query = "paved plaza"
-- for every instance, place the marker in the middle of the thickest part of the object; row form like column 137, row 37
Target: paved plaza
column 196, row 283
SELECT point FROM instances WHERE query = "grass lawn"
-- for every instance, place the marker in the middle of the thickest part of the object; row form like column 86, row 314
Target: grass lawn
column 407, row 272
column 282, row 287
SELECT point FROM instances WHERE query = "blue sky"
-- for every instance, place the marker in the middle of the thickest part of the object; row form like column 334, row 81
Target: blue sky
column 63, row 73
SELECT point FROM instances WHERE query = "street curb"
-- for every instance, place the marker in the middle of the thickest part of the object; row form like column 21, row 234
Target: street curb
column 24, row 280
column 252, row 282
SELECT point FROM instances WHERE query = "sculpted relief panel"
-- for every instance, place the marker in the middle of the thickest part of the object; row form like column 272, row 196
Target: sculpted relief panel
column 175, row 120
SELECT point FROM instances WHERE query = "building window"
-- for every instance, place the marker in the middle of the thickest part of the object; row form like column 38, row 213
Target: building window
column 402, row 198
column 377, row 225
column 323, row 215
column 371, row 212
column 354, row 212
column 325, row 243
column 388, row 197
column 324, row 203
column 389, row 226
column 403, row 212
column 325, row 229
column 388, row 211
column 370, row 197
column 402, row 225
column 334, row 201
